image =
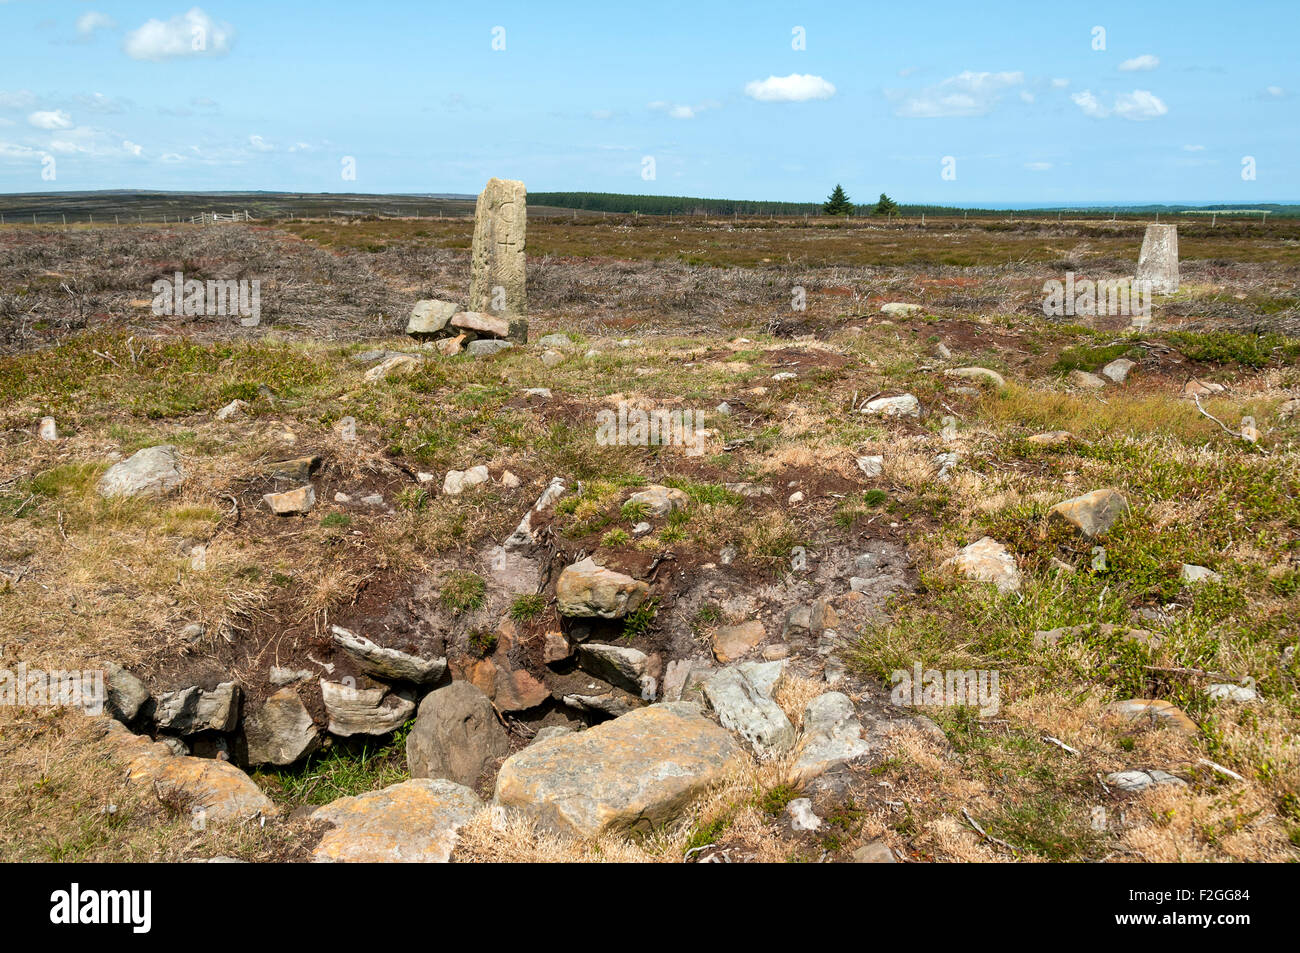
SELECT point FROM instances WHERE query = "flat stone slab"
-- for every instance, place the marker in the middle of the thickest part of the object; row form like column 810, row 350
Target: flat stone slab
column 413, row 822
column 832, row 735
column 637, row 772
column 386, row 663
column 1154, row 712
column 986, row 560
column 215, row 792
column 1093, row 513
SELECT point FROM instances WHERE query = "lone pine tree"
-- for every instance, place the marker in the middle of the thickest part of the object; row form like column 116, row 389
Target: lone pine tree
column 838, row 203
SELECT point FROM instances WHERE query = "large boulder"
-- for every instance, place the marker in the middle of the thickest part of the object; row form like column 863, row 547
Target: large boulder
column 456, row 735
column 212, row 791
column 281, row 731
column 587, row 590
column 638, row 772
column 152, row 471
column 1091, row 514
column 413, row 822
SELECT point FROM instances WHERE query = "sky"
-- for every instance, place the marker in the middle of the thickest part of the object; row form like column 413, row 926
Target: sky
column 1057, row 102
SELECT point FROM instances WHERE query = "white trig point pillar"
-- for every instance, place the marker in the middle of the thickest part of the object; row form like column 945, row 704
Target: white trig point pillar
column 1158, row 262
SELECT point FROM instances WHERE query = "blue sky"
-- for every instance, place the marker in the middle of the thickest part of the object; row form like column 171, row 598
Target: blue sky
column 422, row 97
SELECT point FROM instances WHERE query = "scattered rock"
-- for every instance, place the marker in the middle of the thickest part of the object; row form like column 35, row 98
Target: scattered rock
column 410, row 822
column 291, row 502
column 1093, row 513
column 346, row 428
column 555, row 340
column 543, row 393
column 280, row 675
column 1289, row 409
column 1222, row 691
column 298, row 469
column 1195, row 575
column 1154, row 712
column 619, row 665
column 215, row 792
column 660, row 500
column 486, row 347
column 457, row 482
column 802, row 816
column 1106, row 630
column 364, row 711
column 1194, row 388
column 456, row 735
column 904, row 405
column 280, row 732
column 388, row 664
column 1084, row 379
column 1117, row 370
column 481, row 323
column 552, row 357
column 636, row 772
column 730, row 642
column 510, row 481
column 587, row 590
column 876, row 852
column 900, row 309
column 555, row 648
column 871, row 466
column 430, row 316
column 988, row 561
column 398, row 364
column 192, row 710
column 124, row 693
column 235, row 408
column 1135, row 781
column 450, row 347
column 832, row 735
column 1053, row 438
column 741, row 697
column 152, row 471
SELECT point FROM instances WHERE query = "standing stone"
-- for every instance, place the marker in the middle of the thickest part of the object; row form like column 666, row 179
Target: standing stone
column 496, row 284
column 1158, row 262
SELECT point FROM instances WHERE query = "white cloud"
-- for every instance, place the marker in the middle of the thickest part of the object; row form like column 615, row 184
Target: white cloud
column 967, row 94
column 189, row 34
column 260, row 144
column 1140, row 63
column 1060, row 83
column 1026, row 96
column 132, row 148
column 171, row 157
column 1194, row 148
column 1274, row 92
column 795, row 88
column 1137, row 105
column 678, row 111
column 50, row 119
column 601, row 114
column 1038, row 166
column 93, row 20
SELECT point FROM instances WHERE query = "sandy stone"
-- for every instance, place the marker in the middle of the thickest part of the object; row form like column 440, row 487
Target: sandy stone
column 410, row 822
column 989, row 561
column 291, row 502
column 591, row 591
column 1154, row 712
column 1093, row 513
column 497, row 258
column 638, row 772
column 730, row 642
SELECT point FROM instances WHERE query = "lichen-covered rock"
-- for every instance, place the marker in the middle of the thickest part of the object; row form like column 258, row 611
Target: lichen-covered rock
column 986, row 560
column 152, row 471
column 412, row 822
column 430, row 316
column 832, row 735
column 1093, row 513
column 191, row 710
column 636, row 772
column 591, row 591
column 741, row 695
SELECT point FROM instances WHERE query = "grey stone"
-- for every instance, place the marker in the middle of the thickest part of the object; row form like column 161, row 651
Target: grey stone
column 385, row 663
column 125, row 693
column 588, row 590
column 1158, row 261
column 876, row 852
column 412, row 821
column 152, row 471
column 281, row 731
column 497, row 257
column 364, row 711
column 832, row 735
column 488, row 346
column 430, row 316
column 741, row 697
column 802, row 816
column 987, row 560
column 905, row 405
column 1117, row 370
column 456, row 735
column 193, row 709
column 617, row 664
column 1135, row 781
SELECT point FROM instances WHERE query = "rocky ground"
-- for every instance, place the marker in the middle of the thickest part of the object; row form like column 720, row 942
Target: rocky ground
column 362, row 595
